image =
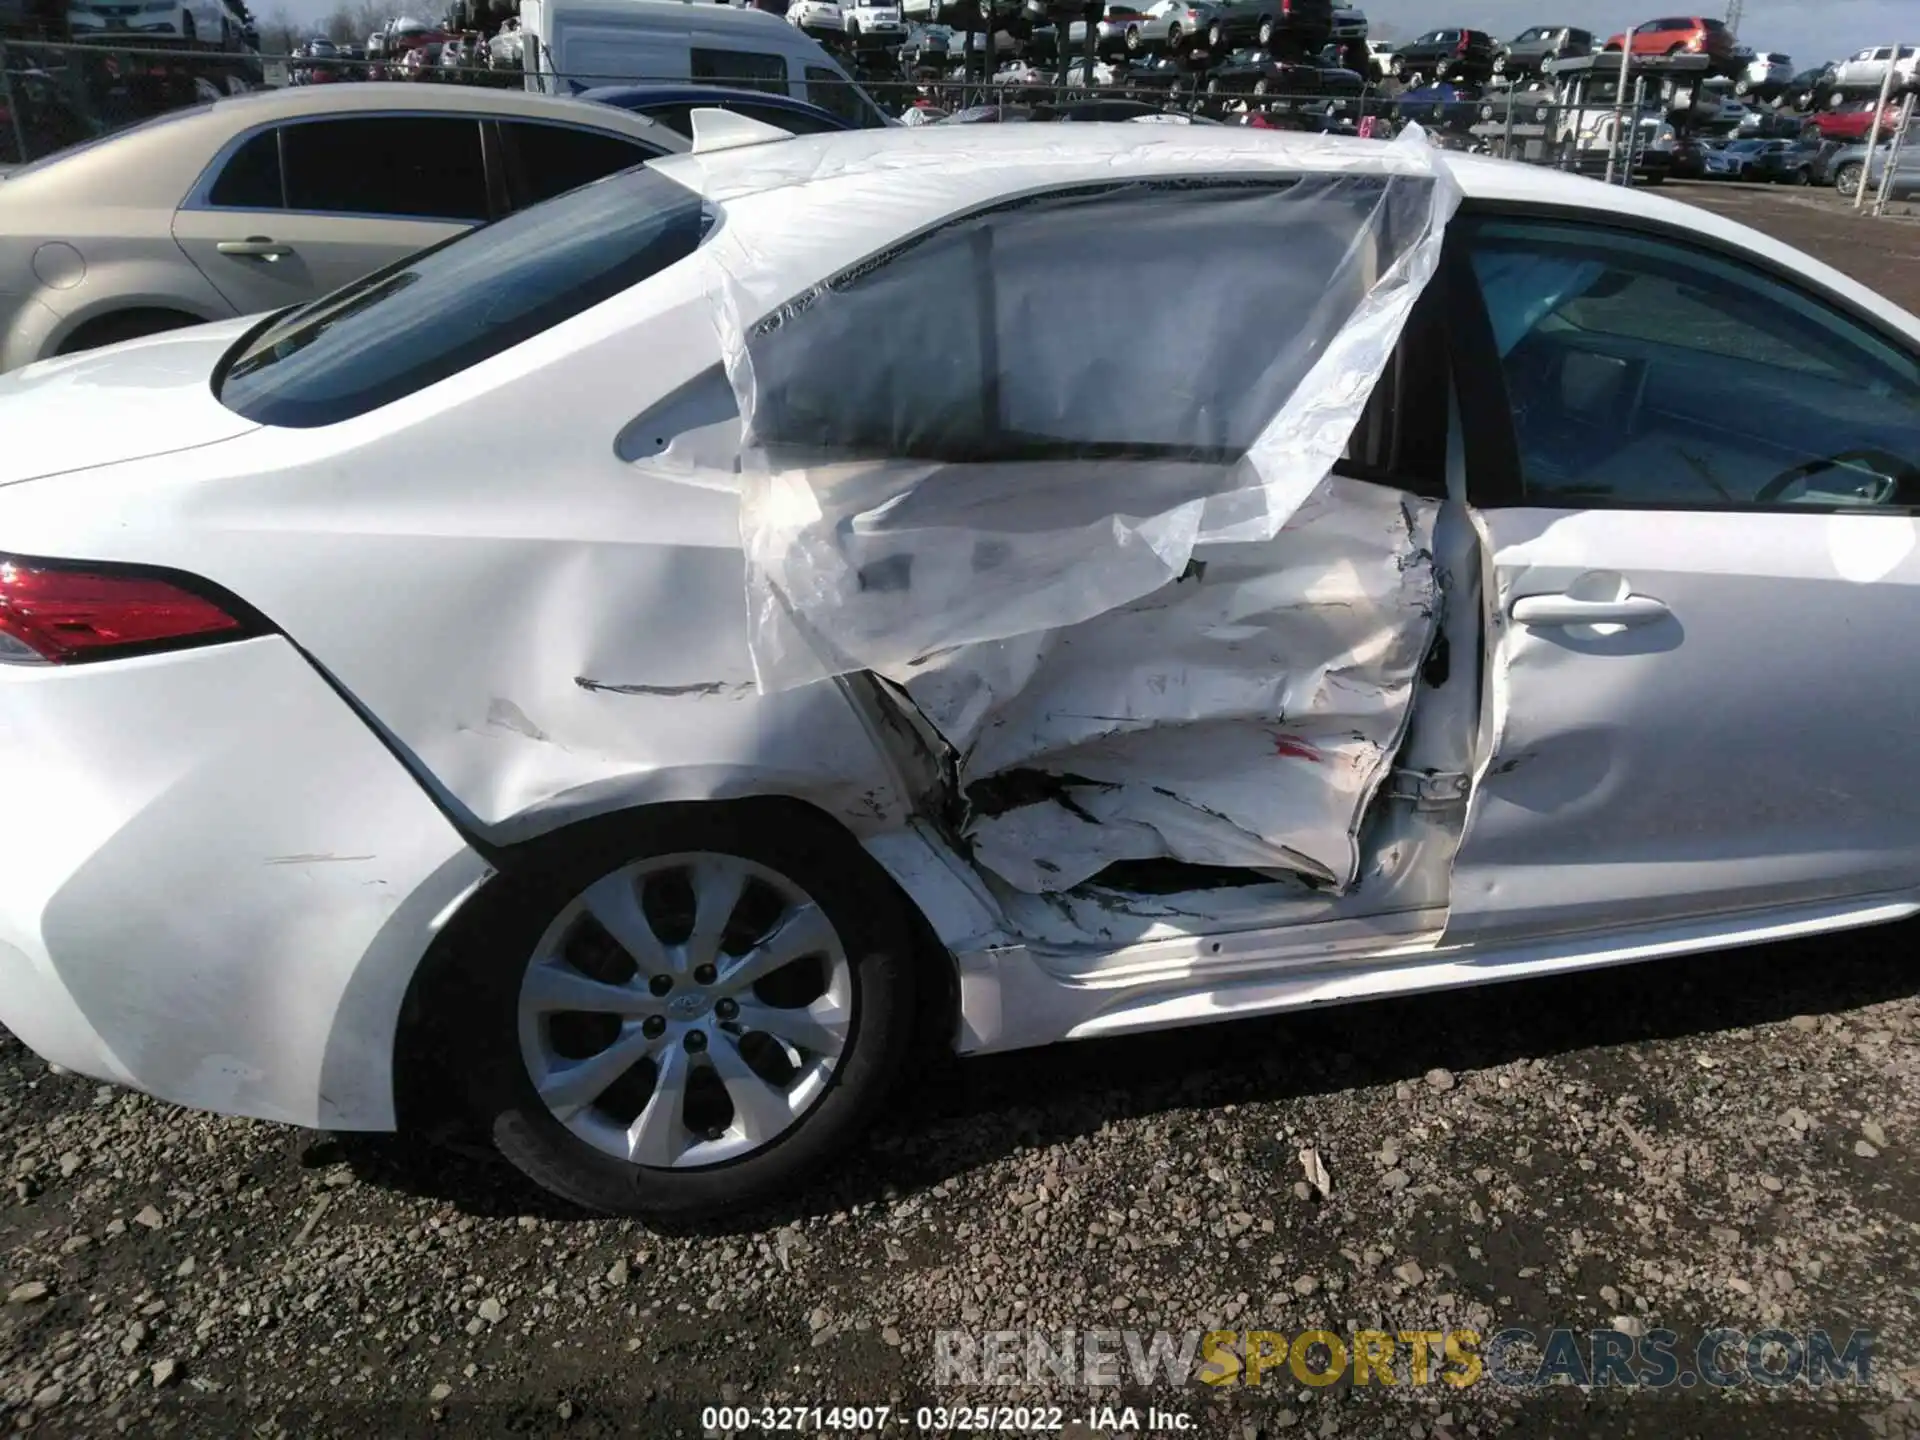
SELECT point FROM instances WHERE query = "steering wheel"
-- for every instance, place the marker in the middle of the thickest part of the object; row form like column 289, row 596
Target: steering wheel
column 1896, row 472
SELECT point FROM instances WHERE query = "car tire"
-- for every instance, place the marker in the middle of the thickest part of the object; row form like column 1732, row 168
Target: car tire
column 1173, row 37
column 790, row 864
column 1847, row 178
column 1131, row 40
column 1742, row 87
column 1263, row 37
column 1216, row 37
column 1261, row 86
column 853, row 32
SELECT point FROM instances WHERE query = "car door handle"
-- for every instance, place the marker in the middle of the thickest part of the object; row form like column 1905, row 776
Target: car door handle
column 260, row 247
column 1545, row 610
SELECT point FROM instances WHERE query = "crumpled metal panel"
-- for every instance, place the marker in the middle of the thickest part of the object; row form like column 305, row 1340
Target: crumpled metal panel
column 1243, row 716
column 1059, row 467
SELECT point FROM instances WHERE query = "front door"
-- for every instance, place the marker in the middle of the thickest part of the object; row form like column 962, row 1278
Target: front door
column 1699, row 492
column 300, row 210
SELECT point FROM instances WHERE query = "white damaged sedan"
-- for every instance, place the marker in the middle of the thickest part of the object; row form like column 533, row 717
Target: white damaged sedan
column 635, row 672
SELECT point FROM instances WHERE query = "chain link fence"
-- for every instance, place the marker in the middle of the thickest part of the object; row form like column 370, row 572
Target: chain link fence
column 55, row 95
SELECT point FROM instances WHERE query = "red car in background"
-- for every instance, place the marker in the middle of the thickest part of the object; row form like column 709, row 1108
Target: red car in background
column 1851, row 122
column 1680, row 35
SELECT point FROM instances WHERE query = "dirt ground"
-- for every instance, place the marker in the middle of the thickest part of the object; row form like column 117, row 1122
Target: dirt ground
column 1883, row 253
column 1731, row 1141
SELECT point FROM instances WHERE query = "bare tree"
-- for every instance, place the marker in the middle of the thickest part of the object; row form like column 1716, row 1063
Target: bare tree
column 279, row 32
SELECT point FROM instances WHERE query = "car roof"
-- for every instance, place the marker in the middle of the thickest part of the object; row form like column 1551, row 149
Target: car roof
column 670, row 14
column 156, row 163
column 926, row 174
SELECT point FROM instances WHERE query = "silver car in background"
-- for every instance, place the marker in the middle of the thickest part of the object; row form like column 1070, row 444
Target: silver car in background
column 276, row 198
column 1172, row 25
column 1766, row 74
column 1867, row 69
column 1906, row 170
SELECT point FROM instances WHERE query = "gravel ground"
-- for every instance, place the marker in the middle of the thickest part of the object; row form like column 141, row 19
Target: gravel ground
column 1723, row 1141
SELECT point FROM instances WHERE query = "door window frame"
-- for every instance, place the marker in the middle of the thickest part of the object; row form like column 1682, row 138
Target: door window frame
column 199, row 197
column 1495, row 480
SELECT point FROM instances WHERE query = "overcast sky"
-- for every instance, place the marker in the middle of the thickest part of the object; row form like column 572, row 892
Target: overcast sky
column 1812, row 31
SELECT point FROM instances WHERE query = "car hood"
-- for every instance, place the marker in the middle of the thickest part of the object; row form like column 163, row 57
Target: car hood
column 126, row 402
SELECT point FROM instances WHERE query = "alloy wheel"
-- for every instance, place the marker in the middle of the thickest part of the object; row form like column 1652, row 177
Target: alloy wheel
column 685, row 1010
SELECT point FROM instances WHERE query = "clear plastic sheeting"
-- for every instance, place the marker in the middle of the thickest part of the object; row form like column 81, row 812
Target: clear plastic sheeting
column 1058, row 466
column 1241, row 717
column 1031, row 414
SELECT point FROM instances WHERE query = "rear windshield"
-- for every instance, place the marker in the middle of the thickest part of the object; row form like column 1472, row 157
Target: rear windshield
column 463, row 301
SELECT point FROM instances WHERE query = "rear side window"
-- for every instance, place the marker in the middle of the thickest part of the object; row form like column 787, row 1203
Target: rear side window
column 835, row 93
column 749, row 69
column 416, row 167
column 953, row 349
column 460, row 302
column 547, row 160
column 250, row 180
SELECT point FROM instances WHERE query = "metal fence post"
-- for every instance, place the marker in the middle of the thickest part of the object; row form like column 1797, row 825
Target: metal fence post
column 13, row 108
column 1873, row 135
column 1619, row 101
column 1572, row 147
column 1633, row 129
column 1893, row 155
column 1091, row 57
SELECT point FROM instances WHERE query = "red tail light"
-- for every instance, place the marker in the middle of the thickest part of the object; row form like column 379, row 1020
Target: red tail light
column 66, row 614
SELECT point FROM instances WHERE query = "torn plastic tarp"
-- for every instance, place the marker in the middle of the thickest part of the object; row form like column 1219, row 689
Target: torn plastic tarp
column 1032, row 413
column 1038, row 414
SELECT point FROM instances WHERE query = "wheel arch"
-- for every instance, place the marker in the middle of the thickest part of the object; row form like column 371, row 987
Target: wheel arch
column 424, row 1097
column 129, row 321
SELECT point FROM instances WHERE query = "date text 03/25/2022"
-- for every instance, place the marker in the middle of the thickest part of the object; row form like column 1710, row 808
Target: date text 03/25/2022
column 940, row 1419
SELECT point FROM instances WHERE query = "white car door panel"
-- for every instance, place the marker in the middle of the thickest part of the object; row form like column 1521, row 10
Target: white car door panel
column 1705, row 565
column 1696, row 713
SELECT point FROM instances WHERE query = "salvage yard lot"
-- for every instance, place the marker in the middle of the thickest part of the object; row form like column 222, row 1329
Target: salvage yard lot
column 1723, row 1141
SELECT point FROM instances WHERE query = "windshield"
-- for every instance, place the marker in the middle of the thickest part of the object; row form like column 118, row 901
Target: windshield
column 462, row 301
